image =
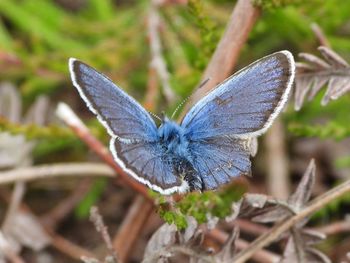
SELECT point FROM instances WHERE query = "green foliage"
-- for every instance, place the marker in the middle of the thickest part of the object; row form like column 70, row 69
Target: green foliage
column 342, row 162
column 83, row 208
column 330, row 130
column 200, row 205
column 33, row 131
column 272, row 4
column 209, row 33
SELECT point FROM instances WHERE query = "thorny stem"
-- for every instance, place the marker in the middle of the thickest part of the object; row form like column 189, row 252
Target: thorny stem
column 278, row 229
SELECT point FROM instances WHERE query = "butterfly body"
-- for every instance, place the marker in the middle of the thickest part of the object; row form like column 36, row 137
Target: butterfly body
column 176, row 145
column 209, row 147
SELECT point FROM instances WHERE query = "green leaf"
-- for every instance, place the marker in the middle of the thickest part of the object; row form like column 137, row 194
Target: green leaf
column 83, row 209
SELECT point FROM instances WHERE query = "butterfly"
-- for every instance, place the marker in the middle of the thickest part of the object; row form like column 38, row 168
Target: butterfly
column 209, row 147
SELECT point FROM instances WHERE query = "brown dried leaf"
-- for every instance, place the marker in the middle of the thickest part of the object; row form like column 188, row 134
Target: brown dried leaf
column 273, row 214
column 157, row 246
column 27, row 231
column 190, row 232
column 311, row 237
column 316, row 73
column 10, row 102
column 298, row 250
column 15, row 151
column 303, row 192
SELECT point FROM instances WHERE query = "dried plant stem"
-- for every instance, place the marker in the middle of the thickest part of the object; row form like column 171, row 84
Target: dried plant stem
column 16, row 199
column 277, row 162
column 100, row 226
column 158, row 62
column 131, row 227
column 286, row 224
column 260, row 255
column 335, row 227
column 48, row 171
column 249, row 227
column 225, row 56
column 152, row 90
column 68, row 248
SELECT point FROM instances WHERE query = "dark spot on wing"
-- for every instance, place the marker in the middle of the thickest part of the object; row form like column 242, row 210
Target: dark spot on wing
column 221, row 102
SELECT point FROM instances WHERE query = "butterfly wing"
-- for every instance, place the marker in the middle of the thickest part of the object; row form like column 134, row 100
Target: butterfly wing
column 221, row 124
column 135, row 142
column 217, row 160
column 122, row 116
column 246, row 103
column 148, row 163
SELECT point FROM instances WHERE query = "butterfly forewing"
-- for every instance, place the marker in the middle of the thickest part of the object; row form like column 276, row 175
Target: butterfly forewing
column 245, row 104
column 122, row 115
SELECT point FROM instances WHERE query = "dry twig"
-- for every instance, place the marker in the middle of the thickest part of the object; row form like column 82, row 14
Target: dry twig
column 129, row 230
column 278, row 182
column 286, row 224
column 53, row 170
column 158, row 62
column 97, row 219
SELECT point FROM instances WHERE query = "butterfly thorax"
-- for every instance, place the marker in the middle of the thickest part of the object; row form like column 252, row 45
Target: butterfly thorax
column 173, row 139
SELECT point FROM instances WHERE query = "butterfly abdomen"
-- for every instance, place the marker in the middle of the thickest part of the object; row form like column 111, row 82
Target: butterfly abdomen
column 184, row 169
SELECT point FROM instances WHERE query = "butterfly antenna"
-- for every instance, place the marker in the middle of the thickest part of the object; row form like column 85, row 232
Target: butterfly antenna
column 186, row 99
column 155, row 116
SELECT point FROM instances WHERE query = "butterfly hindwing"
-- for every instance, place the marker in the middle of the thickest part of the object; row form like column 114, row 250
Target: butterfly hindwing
column 245, row 104
column 219, row 159
column 148, row 163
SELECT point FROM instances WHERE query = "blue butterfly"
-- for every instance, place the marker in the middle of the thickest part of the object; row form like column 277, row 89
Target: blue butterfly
column 209, row 147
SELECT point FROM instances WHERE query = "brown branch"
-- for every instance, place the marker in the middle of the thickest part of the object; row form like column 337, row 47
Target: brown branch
column 53, row 170
column 335, row 227
column 131, row 227
column 278, row 181
column 152, row 90
column 249, row 227
column 278, row 229
column 67, row 247
column 226, row 54
column 260, row 256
